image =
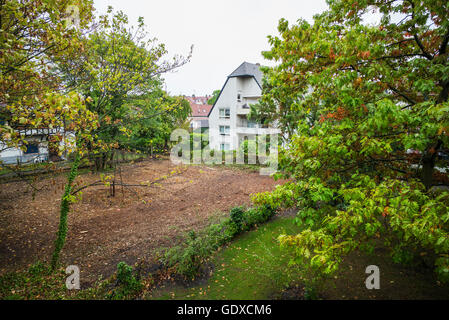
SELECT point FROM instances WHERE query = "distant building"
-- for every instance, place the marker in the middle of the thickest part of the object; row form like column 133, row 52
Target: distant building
column 37, row 148
column 198, row 100
column 42, row 144
column 200, row 111
column 228, row 122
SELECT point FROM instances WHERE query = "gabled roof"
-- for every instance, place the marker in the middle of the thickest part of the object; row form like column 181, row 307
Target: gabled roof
column 198, row 100
column 247, row 69
column 200, row 110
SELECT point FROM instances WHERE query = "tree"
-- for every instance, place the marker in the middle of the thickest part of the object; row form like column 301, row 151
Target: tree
column 150, row 120
column 119, row 61
column 366, row 107
column 214, row 97
column 32, row 35
column 119, row 71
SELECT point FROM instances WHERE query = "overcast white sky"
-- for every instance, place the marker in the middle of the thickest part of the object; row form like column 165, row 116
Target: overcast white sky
column 224, row 33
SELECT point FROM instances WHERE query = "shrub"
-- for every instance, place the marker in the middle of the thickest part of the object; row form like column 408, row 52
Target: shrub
column 127, row 284
column 189, row 257
column 237, row 218
column 219, row 234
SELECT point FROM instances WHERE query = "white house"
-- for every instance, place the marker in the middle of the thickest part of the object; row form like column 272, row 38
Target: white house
column 37, row 148
column 228, row 123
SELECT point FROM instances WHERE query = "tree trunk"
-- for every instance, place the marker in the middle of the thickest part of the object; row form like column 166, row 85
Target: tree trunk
column 100, row 161
column 431, row 154
column 428, row 163
column 111, row 159
column 427, row 173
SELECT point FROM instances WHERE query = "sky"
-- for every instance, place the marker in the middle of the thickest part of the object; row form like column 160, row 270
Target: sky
column 224, row 33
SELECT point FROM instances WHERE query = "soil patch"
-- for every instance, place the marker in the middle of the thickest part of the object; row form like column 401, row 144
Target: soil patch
column 131, row 226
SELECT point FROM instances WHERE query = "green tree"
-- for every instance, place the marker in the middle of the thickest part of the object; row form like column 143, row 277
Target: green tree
column 214, row 97
column 33, row 34
column 119, row 62
column 150, row 120
column 366, row 107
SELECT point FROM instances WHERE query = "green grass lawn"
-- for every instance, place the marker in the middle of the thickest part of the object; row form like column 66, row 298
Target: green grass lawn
column 252, row 267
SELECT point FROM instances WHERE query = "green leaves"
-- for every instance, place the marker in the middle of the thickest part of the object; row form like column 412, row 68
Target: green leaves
column 390, row 210
column 120, row 71
column 364, row 112
column 32, row 38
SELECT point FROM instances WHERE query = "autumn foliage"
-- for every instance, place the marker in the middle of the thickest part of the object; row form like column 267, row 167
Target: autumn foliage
column 364, row 112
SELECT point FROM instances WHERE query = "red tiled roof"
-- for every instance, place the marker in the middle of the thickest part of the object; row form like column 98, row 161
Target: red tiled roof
column 200, row 110
column 198, row 100
column 199, row 106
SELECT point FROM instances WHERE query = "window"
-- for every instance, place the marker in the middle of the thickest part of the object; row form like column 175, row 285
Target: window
column 239, row 97
column 224, row 130
column 32, row 148
column 224, row 147
column 225, row 113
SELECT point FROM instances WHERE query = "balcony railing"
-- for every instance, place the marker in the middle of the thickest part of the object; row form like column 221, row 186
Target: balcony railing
column 243, row 109
column 254, row 130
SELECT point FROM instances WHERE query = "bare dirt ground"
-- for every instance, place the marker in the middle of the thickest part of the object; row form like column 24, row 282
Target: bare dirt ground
column 104, row 230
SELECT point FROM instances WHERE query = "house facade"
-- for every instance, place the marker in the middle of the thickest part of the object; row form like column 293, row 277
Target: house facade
column 37, row 148
column 200, row 110
column 228, row 119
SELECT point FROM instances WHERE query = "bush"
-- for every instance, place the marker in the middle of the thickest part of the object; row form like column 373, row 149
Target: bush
column 237, row 217
column 188, row 258
column 127, row 284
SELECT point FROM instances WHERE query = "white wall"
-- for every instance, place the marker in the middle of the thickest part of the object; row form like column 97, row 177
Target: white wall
column 228, row 99
column 10, row 155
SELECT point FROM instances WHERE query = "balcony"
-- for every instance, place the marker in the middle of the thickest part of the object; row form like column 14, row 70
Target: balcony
column 254, row 129
column 242, row 109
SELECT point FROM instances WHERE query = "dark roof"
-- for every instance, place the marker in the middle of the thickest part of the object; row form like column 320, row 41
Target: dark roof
column 247, row 69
